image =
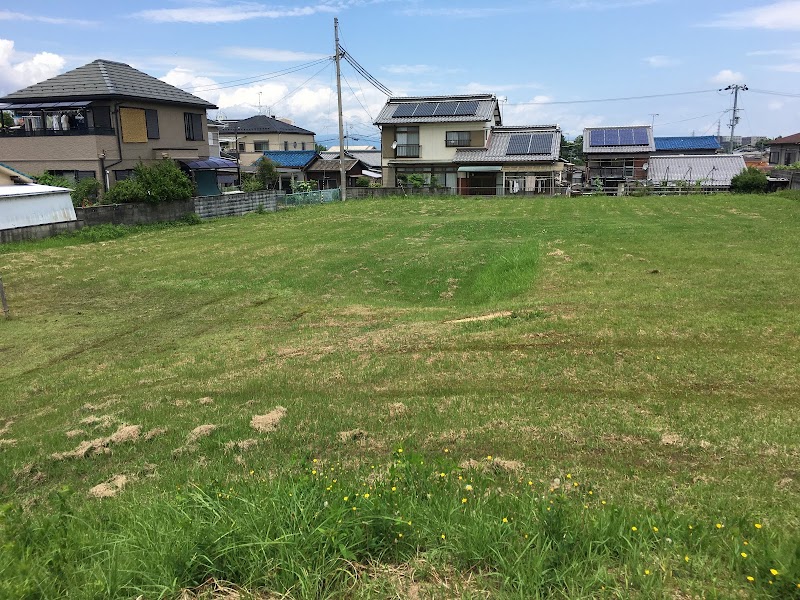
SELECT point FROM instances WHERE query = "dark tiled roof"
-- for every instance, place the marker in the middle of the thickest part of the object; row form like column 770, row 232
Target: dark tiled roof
column 497, row 148
column 487, row 110
column 789, row 139
column 370, row 158
column 263, row 124
column 332, row 165
column 290, row 158
column 700, row 142
column 102, row 79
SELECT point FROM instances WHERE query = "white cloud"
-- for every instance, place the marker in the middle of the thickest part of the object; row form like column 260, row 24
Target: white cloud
column 775, row 105
column 19, row 70
column 727, row 77
column 219, row 12
column 660, row 62
column 783, row 15
column 7, row 15
column 409, row 69
column 271, row 54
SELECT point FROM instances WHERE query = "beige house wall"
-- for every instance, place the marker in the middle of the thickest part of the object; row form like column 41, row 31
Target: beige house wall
column 432, row 142
column 34, row 155
column 276, row 143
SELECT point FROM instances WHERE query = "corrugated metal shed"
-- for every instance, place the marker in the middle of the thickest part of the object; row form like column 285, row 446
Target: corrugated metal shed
column 103, row 79
column 34, row 204
column 700, row 142
column 497, row 149
column 487, row 110
column 712, row 170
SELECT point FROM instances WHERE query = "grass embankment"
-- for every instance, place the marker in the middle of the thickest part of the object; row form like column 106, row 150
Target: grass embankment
column 643, row 349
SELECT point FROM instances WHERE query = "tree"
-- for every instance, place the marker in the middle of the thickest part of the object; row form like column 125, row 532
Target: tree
column 8, row 120
column 572, row 151
column 749, row 181
column 163, row 182
column 266, row 173
column 320, row 148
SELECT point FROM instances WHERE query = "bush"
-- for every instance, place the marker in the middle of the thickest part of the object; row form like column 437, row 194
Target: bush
column 362, row 181
column 86, row 192
column 749, row 181
column 266, row 174
column 54, row 180
column 416, row 180
column 163, row 182
column 251, row 184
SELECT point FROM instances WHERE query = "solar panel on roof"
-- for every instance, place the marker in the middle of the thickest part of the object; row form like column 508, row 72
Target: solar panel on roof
column 626, row 137
column 425, row 109
column 404, row 110
column 519, row 143
column 541, row 143
column 611, row 137
column 596, row 137
column 446, row 109
column 465, row 109
column 640, row 137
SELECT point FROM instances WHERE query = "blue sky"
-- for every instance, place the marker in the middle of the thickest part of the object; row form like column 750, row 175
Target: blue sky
column 549, row 60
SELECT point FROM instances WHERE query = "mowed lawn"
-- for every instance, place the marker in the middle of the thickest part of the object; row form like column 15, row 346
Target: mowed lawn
column 647, row 347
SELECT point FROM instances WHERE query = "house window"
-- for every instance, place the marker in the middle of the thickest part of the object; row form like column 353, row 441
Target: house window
column 123, row 174
column 261, row 146
column 789, row 158
column 457, row 138
column 286, row 146
column 81, row 175
column 151, row 118
column 193, row 124
column 774, row 158
column 303, row 146
column 407, row 142
column 133, row 125
column 241, row 147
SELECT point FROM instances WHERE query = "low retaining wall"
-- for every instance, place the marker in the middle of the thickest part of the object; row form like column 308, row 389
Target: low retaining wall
column 37, row 232
column 134, row 214
column 236, row 204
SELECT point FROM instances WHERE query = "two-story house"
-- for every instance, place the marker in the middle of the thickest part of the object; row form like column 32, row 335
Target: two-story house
column 101, row 120
column 617, row 155
column 250, row 138
column 784, row 151
column 420, row 135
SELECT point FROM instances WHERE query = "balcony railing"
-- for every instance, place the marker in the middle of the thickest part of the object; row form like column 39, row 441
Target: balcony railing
column 407, row 151
column 22, row 132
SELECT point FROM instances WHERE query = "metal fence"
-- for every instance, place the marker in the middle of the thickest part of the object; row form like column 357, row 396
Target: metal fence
column 305, row 198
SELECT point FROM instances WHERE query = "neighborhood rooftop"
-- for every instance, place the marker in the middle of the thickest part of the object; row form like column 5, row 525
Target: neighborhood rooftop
column 700, row 142
column 515, row 144
column 439, row 109
column 616, row 140
column 103, row 79
column 263, row 124
column 712, row 170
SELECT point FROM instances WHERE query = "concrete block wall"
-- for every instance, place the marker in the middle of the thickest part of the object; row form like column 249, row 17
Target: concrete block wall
column 135, row 213
column 36, row 232
column 231, row 205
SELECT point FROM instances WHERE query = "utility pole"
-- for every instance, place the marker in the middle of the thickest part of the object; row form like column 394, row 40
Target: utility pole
column 342, row 170
column 735, row 117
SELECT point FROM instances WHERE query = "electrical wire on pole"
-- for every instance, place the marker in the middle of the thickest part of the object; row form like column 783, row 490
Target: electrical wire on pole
column 342, row 170
column 735, row 117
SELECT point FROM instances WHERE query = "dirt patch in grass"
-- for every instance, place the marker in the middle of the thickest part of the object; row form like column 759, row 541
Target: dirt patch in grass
column 154, row 433
column 206, row 401
column 98, row 422
column 671, row 439
column 7, row 443
column 354, row 435
column 110, row 488
column 200, row 432
column 494, row 464
column 6, row 427
column 241, row 445
column 397, row 409
column 269, row 422
column 75, row 433
column 126, row 433
column 495, row 315
column 558, row 253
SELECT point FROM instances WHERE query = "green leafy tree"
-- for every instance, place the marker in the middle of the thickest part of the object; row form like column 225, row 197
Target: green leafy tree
column 416, row 180
column 320, row 148
column 572, row 151
column 362, row 181
column 8, row 120
column 749, row 181
column 266, row 173
column 162, row 182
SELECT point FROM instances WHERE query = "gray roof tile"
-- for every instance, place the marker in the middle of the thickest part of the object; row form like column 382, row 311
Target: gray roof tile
column 497, row 148
column 103, row 79
column 263, row 124
column 487, row 110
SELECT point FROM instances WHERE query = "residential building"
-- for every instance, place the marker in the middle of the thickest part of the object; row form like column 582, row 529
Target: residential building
column 515, row 160
column 708, row 172
column 616, row 156
column 250, row 138
column 370, row 158
column 101, row 120
column 327, row 172
column 9, row 176
column 421, row 135
column 785, row 150
column 701, row 144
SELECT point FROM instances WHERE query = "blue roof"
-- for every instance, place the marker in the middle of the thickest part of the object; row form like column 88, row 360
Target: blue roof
column 290, row 158
column 700, row 142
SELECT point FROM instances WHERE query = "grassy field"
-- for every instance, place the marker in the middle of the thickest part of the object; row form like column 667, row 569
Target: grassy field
column 436, row 397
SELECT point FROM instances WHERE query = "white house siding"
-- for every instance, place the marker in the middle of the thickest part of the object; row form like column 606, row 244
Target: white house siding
column 29, row 205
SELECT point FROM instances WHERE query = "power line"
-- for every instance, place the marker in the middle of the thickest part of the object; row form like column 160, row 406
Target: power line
column 771, row 93
column 259, row 78
column 297, row 89
column 609, row 99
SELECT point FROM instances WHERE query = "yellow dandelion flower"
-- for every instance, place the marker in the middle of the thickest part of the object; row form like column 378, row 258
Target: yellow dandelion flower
column 526, row 536
column 251, row 473
column 394, row 488
column 634, row 528
column 548, row 508
column 603, row 502
column 399, row 535
column 468, row 487
column 686, row 558
column 314, row 472
column 751, row 578
column 443, row 536
column 442, row 475
column 590, row 492
column 655, row 529
column 743, row 554
column 719, row 525
column 460, row 478
column 757, row 525
column 354, row 508
column 746, row 543
column 647, row 571
column 691, row 527
column 530, row 483
column 399, row 450
column 315, row 460
column 575, row 484
column 346, row 498
column 366, row 495
column 505, row 520
column 489, row 457
column 774, row 572
column 446, row 451
column 569, row 475
column 463, row 501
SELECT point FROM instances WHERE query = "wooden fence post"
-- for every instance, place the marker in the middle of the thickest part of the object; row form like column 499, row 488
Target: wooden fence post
column 3, row 298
